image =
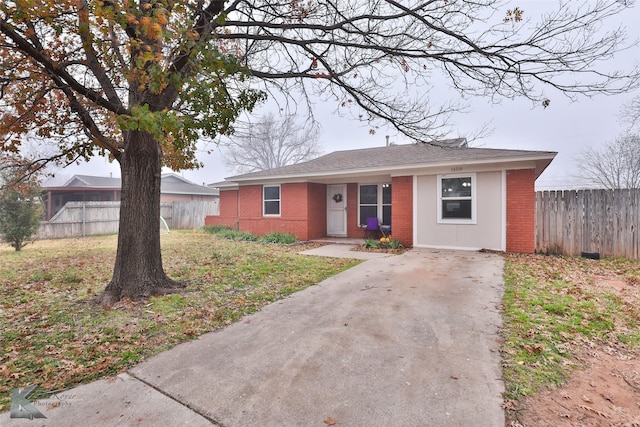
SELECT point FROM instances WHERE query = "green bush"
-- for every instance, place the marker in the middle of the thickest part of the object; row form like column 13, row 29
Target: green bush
column 229, row 233
column 232, row 234
column 395, row 244
column 370, row 243
column 281, row 238
column 215, row 229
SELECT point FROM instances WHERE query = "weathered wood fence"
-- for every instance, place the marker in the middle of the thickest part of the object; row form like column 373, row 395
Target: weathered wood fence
column 77, row 219
column 574, row 221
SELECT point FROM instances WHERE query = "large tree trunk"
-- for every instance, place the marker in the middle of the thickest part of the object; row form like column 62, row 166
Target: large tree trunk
column 138, row 271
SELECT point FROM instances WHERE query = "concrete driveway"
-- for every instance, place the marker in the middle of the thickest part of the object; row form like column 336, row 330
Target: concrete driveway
column 410, row 340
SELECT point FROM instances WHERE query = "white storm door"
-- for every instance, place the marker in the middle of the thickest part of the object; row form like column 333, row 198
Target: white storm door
column 337, row 210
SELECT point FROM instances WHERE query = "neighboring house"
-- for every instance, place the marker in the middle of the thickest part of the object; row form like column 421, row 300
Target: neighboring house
column 86, row 188
column 447, row 196
column 174, row 188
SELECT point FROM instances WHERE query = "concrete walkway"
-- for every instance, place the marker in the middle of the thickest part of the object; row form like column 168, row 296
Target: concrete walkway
column 410, row 340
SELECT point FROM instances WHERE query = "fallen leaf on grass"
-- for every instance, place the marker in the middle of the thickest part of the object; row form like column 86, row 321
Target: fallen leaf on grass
column 532, row 349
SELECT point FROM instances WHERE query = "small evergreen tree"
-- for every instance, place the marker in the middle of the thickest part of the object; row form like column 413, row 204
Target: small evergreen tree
column 20, row 206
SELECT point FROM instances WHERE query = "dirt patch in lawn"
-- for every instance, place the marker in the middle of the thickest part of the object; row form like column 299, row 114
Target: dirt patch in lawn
column 605, row 393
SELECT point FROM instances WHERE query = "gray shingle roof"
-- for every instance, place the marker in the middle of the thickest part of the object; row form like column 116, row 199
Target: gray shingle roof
column 174, row 184
column 93, row 181
column 394, row 156
column 170, row 184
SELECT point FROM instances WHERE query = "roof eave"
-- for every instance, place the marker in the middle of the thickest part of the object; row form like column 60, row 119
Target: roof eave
column 81, row 188
column 542, row 164
column 227, row 185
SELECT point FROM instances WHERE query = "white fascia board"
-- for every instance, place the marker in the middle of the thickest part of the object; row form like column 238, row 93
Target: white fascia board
column 227, row 186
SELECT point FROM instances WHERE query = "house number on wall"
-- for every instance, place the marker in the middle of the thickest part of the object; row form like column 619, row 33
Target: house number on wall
column 456, row 169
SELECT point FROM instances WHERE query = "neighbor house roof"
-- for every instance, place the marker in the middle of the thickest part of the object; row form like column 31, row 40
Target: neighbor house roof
column 175, row 184
column 396, row 158
column 170, row 184
column 92, row 182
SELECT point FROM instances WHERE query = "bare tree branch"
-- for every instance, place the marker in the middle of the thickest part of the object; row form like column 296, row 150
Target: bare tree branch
column 270, row 143
column 615, row 165
column 377, row 50
column 631, row 112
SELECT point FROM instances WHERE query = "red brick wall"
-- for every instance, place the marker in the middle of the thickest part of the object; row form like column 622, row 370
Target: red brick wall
column 316, row 210
column 229, row 203
column 521, row 206
column 293, row 201
column 353, row 230
column 303, row 210
column 250, row 202
column 402, row 209
column 228, row 210
column 252, row 220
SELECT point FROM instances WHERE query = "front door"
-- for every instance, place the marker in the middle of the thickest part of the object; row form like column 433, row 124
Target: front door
column 337, row 210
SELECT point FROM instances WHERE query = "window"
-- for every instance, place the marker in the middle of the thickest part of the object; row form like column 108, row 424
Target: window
column 456, row 202
column 271, row 200
column 375, row 201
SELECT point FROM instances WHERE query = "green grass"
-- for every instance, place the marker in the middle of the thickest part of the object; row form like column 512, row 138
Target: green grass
column 53, row 336
column 552, row 309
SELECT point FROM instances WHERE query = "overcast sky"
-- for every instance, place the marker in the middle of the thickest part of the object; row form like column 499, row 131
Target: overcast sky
column 566, row 127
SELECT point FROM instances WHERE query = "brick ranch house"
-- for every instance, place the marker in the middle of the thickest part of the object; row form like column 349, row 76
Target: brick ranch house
column 444, row 196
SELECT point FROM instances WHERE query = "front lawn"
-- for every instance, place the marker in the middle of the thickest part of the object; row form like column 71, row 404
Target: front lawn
column 556, row 307
column 53, row 337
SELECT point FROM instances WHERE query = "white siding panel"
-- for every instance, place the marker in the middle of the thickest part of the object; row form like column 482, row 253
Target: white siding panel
column 487, row 233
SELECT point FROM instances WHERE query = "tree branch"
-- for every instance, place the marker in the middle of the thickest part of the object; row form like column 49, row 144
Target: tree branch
column 84, row 30
column 55, row 71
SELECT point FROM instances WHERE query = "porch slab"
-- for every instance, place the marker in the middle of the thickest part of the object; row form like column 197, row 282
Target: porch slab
column 344, row 251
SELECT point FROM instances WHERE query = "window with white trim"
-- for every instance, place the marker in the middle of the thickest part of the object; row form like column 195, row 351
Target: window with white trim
column 271, row 200
column 374, row 201
column 457, row 199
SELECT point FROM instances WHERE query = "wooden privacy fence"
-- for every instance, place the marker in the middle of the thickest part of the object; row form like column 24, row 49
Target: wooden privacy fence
column 77, row 219
column 570, row 222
